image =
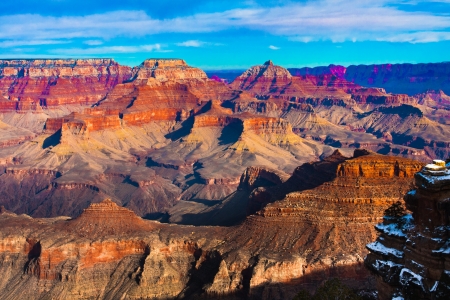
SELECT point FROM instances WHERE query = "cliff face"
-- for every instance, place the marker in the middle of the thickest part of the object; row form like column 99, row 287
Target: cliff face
column 411, row 256
column 164, row 90
column 329, row 87
column 92, row 119
column 168, row 69
column 408, row 79
column 269, row 80
column 340, row 113
column 295, row 243
column 107, row 252
column 36, row 84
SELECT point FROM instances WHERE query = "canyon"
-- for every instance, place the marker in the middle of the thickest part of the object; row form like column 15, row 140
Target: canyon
column 159, row 182
column 107, row 251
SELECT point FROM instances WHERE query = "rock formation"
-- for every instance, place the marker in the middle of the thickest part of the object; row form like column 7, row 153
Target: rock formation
column 36, row 84
column 269, row 80
column 164, row 90
column 12, row 136
column 338, row 111
column 411, row 255
column 292, row 244
column 408, row 79
column 169, row 134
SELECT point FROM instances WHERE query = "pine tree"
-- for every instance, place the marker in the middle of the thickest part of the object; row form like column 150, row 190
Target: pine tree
column 396, row 212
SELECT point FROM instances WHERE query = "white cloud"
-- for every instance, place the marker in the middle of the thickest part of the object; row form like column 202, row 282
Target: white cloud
column 274, row 47
column 197, row 44
column 110, row 49
column 15, row 43
column 93, row 42
column 419, row 37
column 334, row 20
column 191, row 43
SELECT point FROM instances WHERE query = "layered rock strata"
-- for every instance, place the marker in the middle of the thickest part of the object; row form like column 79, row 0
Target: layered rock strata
column 92, row 119
column 164, row 90
column 36, row 84
column 408, row 79
column 268, row 80
column 411, row 257
column 291, row 244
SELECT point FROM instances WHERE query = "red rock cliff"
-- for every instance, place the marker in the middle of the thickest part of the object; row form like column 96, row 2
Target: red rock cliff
column 33, row 84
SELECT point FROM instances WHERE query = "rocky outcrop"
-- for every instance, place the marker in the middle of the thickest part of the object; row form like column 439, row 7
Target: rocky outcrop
column 164, row 90
column 92, row 119
column 254, row 177
column 434, row 99
column 377, row 96
column 36, row 84
column 371, row 175
column 411, row 257
column 292, row 244
column 107, row 218
column 269, row 80
column 326, row 225
column 168, row 69
column 263, row 79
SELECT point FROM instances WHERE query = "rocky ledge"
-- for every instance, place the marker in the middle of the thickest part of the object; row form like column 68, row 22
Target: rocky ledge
column 411, row 257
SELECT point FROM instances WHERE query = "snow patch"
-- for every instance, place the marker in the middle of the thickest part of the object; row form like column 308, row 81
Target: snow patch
column 444, row 249
column 397, row 229
column 434, row 288
column 379, row 248
column 412, row 193
column 406, row 275
column 431, row 179
column 381, row 264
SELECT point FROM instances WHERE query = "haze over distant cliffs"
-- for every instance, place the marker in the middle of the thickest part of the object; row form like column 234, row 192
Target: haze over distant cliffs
column 405, row 78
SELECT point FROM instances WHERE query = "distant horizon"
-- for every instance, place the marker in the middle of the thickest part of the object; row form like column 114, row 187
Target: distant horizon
column 220, row 69
column 213, row 34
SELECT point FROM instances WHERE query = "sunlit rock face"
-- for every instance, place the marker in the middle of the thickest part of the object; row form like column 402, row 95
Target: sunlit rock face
column 315, row 232
column 36, row 84
column 411, row 256
column 164, row 90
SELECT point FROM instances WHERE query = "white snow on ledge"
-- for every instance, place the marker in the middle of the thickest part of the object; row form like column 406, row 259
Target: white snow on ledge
column 406, row 275
column 444, row 249
column 430, row 179
column 379, row 248
column 395, row 229
column 381, row 264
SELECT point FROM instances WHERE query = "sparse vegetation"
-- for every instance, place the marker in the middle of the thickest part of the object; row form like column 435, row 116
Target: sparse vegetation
column 396, row 211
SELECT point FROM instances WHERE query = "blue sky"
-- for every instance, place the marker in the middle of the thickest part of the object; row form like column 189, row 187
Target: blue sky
column 214, row 34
